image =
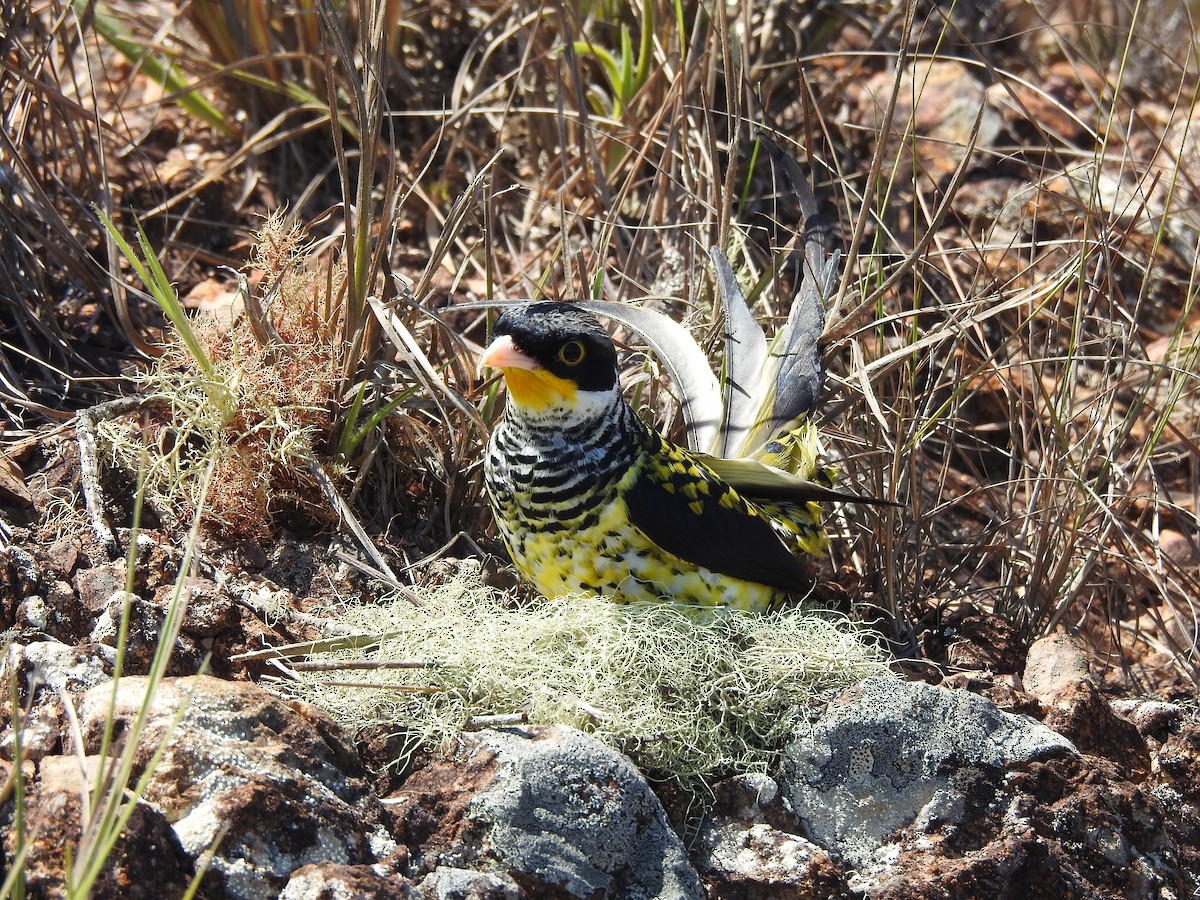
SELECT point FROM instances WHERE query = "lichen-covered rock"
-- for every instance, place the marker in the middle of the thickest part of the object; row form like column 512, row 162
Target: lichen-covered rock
column 449, row 883
column 146, row 863
column 889, row 755
column 750, row 848
column 60, row 667
column 334, row 881
column 556, row 810
column 276, row 782
column 914, row 786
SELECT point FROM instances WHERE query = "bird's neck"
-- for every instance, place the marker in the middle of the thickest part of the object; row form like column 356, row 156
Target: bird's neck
column 594, row 419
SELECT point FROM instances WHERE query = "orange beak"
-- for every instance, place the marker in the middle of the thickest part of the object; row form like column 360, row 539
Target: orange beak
column 502, row 353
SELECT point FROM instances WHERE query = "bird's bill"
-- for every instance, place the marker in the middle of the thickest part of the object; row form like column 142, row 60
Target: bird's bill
column 528, row 383
column 502, row 353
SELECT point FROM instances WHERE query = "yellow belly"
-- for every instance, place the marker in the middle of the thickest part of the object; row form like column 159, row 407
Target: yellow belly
column 614, row 559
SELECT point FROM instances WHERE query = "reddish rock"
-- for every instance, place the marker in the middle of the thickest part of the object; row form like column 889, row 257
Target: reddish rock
column 1056, row 664
column 62, row 557
column 937, row 108
column 146, row 863
column 277, row 781
column 1081, row 714
column 209, row 610
column 1070, row 828
column 1176, row 783
column 97, row 585
column 969, row 640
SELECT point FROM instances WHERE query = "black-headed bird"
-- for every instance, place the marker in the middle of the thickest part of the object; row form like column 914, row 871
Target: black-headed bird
column 589, row 499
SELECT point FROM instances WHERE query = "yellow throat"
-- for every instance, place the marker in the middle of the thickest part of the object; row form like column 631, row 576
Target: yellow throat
column 538, row 389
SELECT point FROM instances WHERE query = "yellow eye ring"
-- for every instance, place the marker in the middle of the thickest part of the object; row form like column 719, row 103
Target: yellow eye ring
column 572, row 353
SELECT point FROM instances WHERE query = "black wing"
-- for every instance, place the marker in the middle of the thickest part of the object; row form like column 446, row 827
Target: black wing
column 684, row 508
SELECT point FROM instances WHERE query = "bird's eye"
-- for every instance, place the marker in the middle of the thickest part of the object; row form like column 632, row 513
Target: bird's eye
column 572, row 353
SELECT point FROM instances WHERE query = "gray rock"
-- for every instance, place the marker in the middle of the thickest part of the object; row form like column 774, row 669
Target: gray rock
column 575, row 815
column 750, row 847
column 64, row 668
column 1152, row 718
column 449, row 883
column 757, row 854
column 333, row 881
column 890, row 755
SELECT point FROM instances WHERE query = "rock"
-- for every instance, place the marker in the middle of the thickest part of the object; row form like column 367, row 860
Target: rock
column 50, row 669
column 936, row 110
column 1152, row 718
column 1179, row 548
column 750, row 847
column 756, row 862
column 449, row 883
column 1084, row 717
column 98, row 584
column 559, row 812
column 62, row 557
column 275, row 781
column 997, row 199
column 333, row 881
column 1055, row 665
column 63, row 773
column 57, row 613
column 209, row 610
column 146, row 862
column 1021, row 104
column 970, row 640
column 63, row 668
column 145, row 624
column 890, row 755
column 41, row 730
column 916, row 786
column 1175, row 782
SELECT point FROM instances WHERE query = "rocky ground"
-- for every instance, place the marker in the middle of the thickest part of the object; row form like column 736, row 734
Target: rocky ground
column 1016, row 775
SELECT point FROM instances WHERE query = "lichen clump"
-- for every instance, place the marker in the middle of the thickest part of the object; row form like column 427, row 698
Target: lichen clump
column 686, row 693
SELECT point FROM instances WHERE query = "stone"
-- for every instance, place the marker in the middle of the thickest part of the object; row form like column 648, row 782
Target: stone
column 1154, row 719
column 449, row 883
column 334, row 881
column 758, row 861
column 936, row 111
column 889, row 755
column 750, row 847
column 97, row 585
column 62, row 557
column 1055, row 664
column 209, row 610
column 275, row 781
column 146, row 862
column 558, row 811
column 1082, row 715
column 60, row 667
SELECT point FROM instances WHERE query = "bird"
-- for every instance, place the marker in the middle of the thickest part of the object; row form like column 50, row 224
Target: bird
column 590, row 500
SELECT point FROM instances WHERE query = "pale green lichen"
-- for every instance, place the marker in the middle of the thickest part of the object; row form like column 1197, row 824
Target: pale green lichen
column 686, row 693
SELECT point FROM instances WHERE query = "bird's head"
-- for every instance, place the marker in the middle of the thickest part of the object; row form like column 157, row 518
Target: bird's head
column 556, row 358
